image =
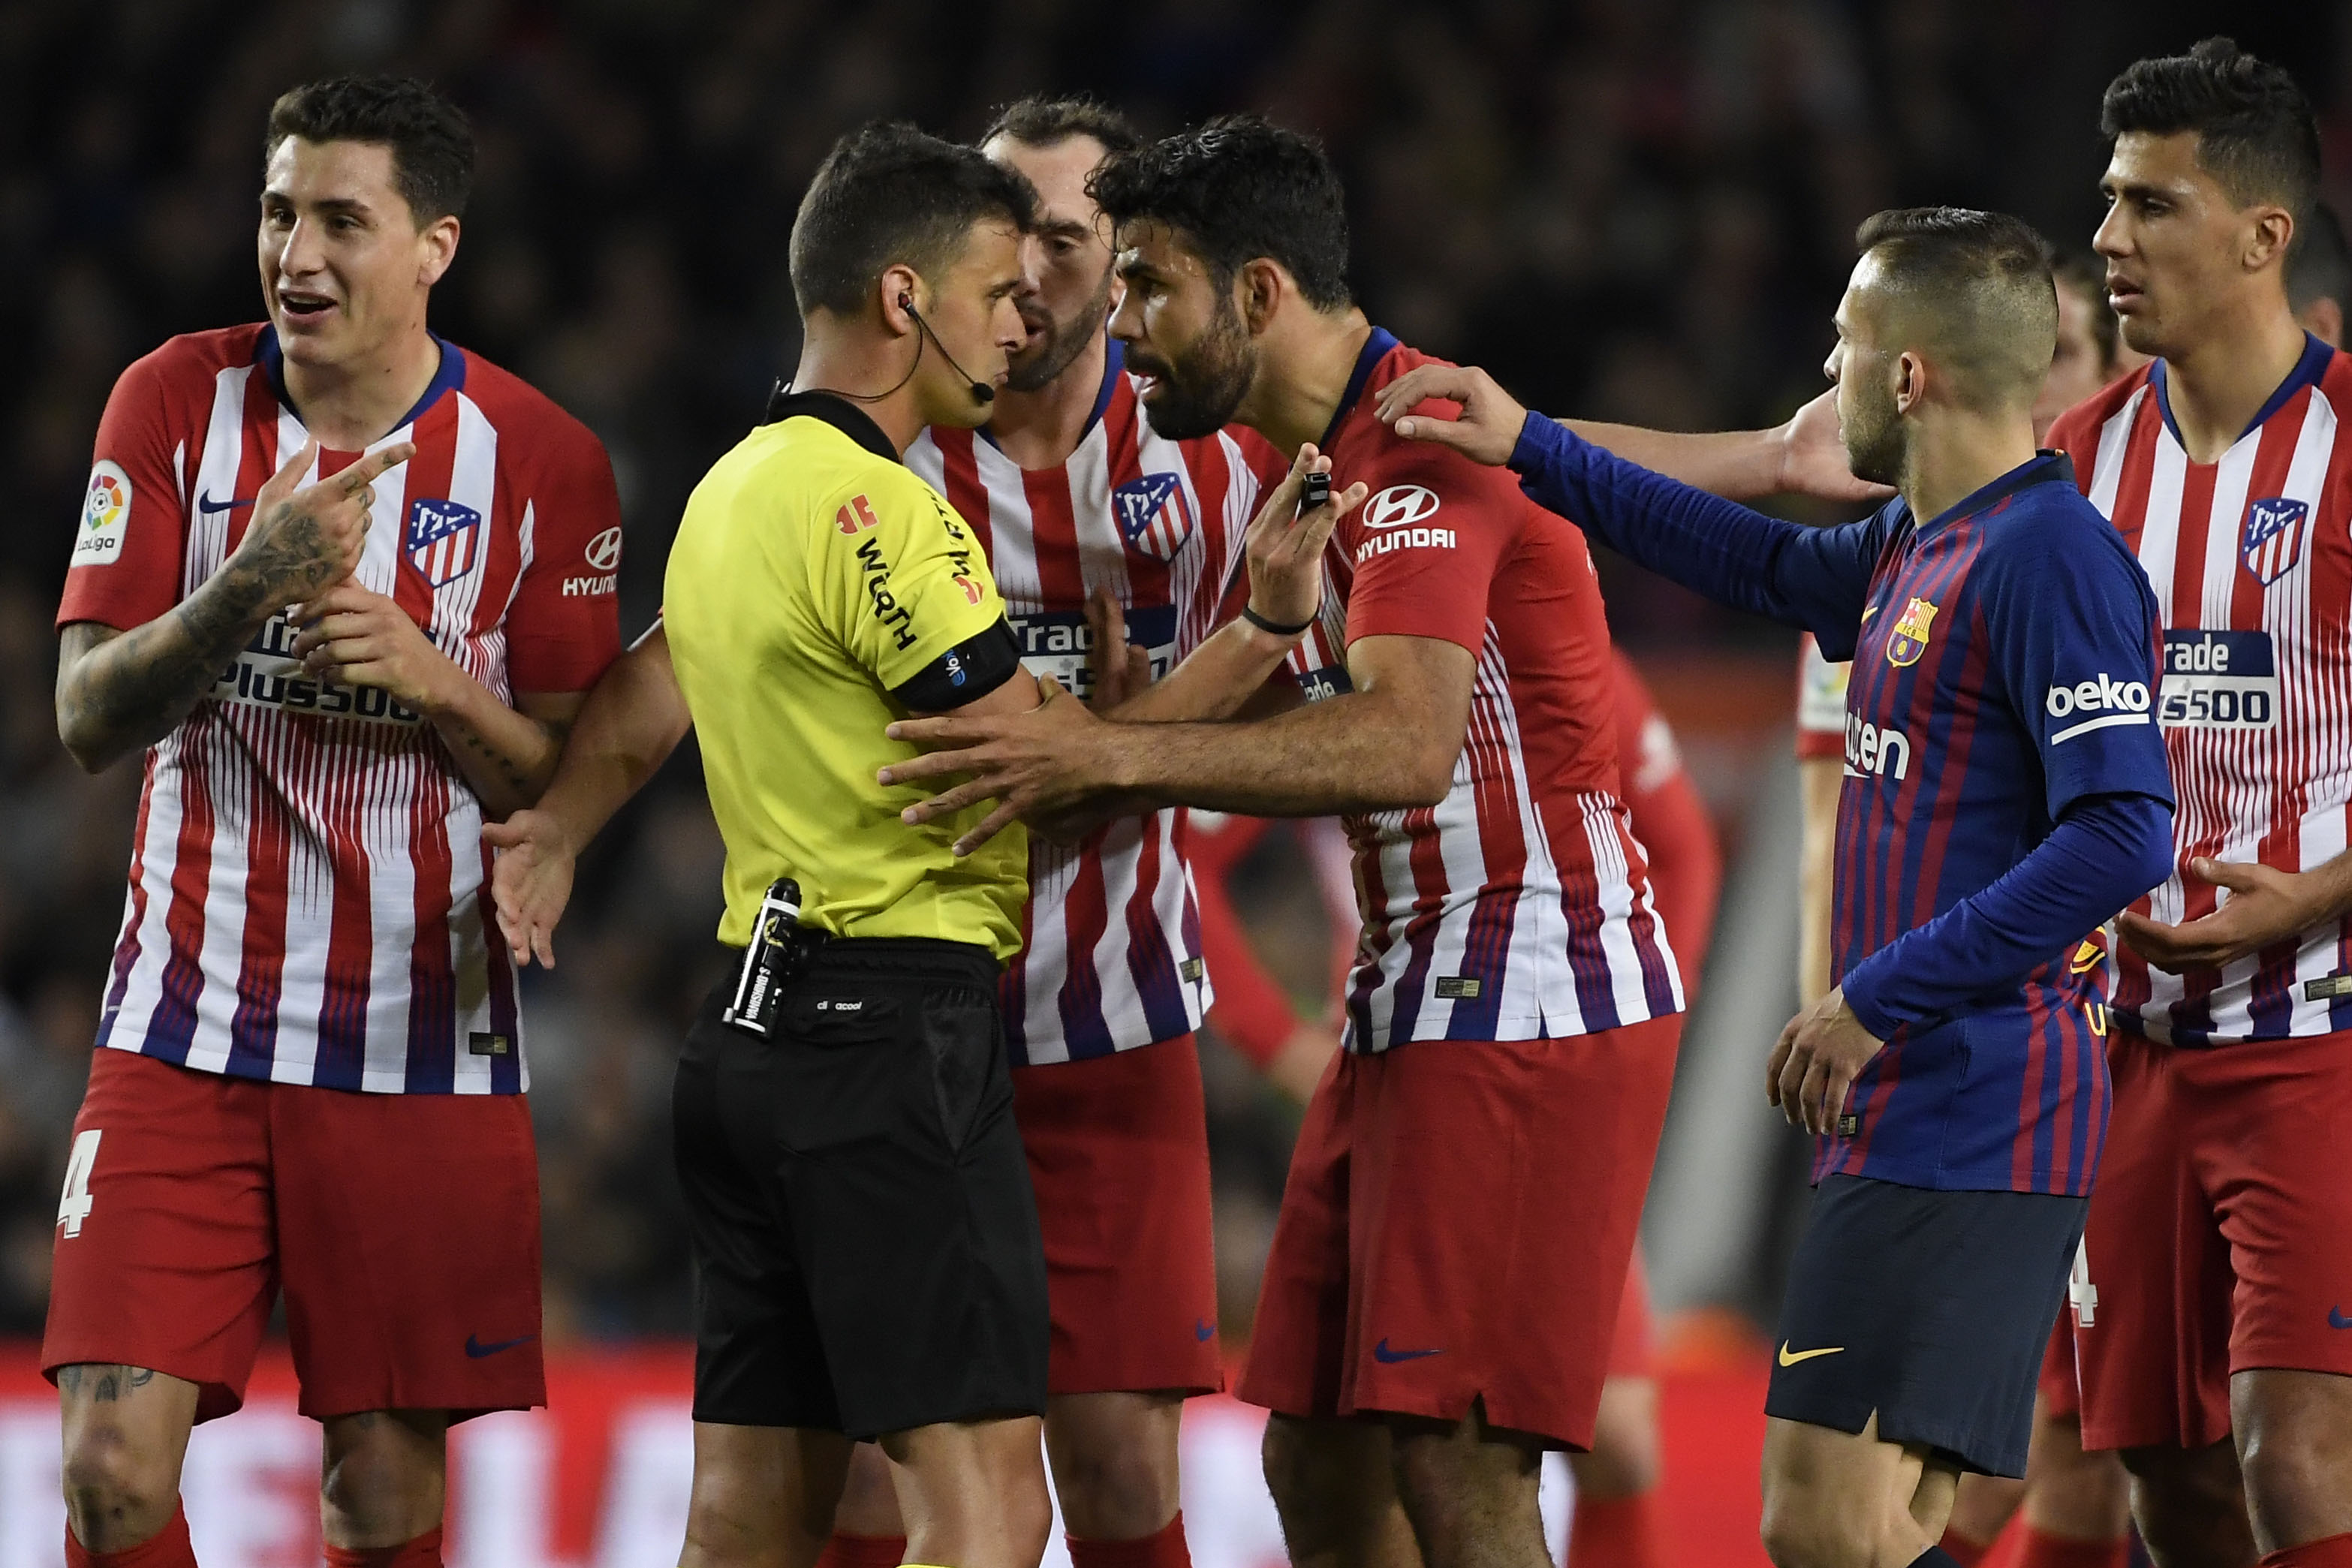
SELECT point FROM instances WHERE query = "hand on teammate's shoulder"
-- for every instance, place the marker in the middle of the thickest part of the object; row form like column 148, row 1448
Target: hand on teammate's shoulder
column 1487, row 429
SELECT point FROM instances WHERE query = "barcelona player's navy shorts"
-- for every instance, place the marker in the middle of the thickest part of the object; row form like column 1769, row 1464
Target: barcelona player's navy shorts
column 1930, row 1309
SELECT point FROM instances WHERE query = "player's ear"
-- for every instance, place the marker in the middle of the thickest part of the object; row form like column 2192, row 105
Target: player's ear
column 2272, row 233
column 439, row 239
column 900, row 294
column 1910, row 373
column 1258, row 289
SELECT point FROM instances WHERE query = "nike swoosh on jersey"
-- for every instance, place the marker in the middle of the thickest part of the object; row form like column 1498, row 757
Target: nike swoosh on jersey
column 1791, row 1358
column 206, row 504
column 1381, row 1352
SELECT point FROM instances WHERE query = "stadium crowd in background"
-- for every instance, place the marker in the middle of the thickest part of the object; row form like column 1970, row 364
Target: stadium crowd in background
column 1670, row 186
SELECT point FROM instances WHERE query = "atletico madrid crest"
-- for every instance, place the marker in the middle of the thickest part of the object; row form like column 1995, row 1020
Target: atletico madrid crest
column 1909, row 638
column 1155, row 515
column 2273, row 537
column 443, row 539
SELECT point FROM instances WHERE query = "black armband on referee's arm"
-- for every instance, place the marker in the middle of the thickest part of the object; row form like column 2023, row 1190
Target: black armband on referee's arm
column 964, row 674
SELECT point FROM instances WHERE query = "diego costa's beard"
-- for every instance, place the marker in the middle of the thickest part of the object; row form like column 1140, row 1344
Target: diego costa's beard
column 1872, row 436
column 1201, row 395
column 1053, row 345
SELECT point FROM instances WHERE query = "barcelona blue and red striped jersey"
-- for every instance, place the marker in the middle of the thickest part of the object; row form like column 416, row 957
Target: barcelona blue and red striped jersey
column 2004, row 665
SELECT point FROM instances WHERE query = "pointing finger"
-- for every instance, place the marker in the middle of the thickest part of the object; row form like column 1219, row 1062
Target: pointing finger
column 365, row 472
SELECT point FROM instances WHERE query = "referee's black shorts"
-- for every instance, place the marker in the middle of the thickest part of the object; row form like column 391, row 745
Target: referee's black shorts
column 865, row 1243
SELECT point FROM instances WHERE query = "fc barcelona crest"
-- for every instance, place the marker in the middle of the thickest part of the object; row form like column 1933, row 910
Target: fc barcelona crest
column 2273, row 539
column 1155, row 515
column 1909, row 638
column 444, row 538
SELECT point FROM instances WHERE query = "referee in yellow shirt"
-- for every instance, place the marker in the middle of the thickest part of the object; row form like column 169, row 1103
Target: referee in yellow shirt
column 867, row 1245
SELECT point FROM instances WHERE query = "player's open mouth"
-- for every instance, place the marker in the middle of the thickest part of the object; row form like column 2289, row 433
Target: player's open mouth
column 303, row 306
column 2123, row 295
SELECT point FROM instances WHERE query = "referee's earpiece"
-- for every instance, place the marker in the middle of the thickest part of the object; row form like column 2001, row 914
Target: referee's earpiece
column 981, row 391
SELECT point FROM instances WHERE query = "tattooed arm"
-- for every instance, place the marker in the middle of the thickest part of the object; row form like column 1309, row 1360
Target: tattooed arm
column 120, row 691
column 361, row 638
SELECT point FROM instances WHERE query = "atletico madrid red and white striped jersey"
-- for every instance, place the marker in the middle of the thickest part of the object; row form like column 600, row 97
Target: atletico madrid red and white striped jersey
column 1518, row 907
column 1112, row 957
column 2251, row 564
column 306, row 869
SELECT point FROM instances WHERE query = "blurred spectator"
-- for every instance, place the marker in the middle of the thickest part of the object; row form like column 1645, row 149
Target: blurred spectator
column 1629, row 208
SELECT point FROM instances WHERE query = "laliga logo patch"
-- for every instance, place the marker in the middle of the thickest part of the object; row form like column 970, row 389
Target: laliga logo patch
column 1400, row 505
column 105, row 516
column 2273, row 537
column 1155, row 516
column 1909, row 638
column 605, row 550
column 443, row 539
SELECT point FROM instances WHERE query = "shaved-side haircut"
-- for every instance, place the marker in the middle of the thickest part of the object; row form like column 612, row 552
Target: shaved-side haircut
column 1972, row 292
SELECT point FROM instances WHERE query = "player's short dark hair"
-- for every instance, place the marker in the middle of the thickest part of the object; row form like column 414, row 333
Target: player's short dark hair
column 2086, row 275
column 2254, row 130
column 1042, row 120
column 1974, row 288
column 1239, row 188
column 889, row 194
column 2318, row 267
column 431, row 145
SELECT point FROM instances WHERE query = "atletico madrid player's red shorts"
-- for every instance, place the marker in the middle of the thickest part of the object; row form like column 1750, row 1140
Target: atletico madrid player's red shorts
column 2060, row 1387
column 1456, row 1226
column 2220, row 1233
column 1118, row 1155
column 1634, row 1348
column 403, row 1230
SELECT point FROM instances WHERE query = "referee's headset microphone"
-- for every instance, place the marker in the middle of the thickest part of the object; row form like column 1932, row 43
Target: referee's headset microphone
column 982, row 392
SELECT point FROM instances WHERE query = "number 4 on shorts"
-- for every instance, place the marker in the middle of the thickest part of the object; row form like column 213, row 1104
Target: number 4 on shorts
column 74, row 1206
column 2083, row 1295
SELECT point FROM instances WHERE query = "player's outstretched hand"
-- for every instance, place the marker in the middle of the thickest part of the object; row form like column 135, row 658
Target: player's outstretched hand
column 360, row 638
column 2265, row 907
column 1488, row 430
column 1813, row 456
column 1284, row 546
column 1116, row 669
column 303, row 542
column 1820, row 1054
column 1037, row 764
column 529, row 882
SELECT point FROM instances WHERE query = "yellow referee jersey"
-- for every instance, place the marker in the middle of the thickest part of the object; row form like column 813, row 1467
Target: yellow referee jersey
column 814, row 585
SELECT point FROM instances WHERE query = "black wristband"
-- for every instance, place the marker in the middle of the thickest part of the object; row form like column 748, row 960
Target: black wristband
column 1277, row 628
